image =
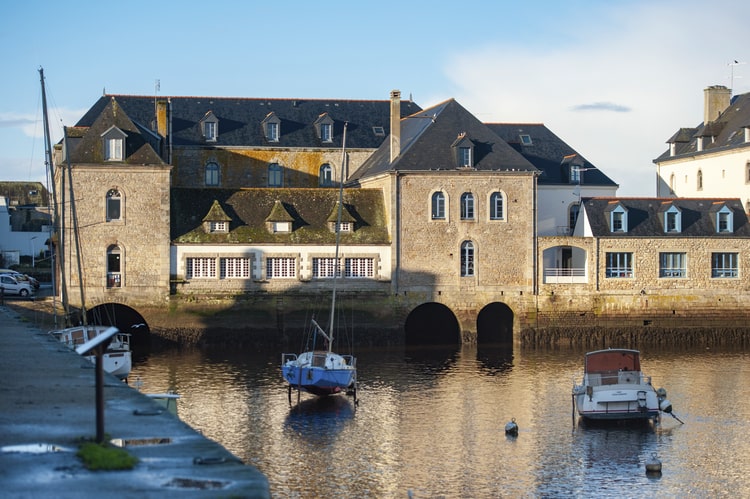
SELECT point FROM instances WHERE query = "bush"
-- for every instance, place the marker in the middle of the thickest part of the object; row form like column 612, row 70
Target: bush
column 105, row 457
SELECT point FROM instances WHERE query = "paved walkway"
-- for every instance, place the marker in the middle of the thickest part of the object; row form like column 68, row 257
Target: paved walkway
column 47, row 404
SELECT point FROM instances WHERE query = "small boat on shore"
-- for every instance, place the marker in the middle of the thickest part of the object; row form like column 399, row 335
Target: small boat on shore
column 615, row 388
column 117, row 358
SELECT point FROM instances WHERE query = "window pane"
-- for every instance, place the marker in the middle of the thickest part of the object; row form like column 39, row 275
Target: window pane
column 358, row 267
column 672, row 265
column 467, row 259
column 467, row 206
column 438, row 206
column 496, row 206
column 113, row 205
column 724, row 265
column 619, row 265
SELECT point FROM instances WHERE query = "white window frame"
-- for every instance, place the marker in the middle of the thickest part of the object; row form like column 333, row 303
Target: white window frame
column 113, row 205
column 465, row 156
column 324, row 267
column 672, row 220
column 281, row 267
column 437, row 205
column 326, row 132
column 725, row 265
column 218, row 226
column 468, row 258
column 359, row 267
column 234, row 267
column 113, row 149
column 467, row 206
column 272, row 131
column 673, row 265
column 200, row 267
column 619, row 265
column 497, row 206
column 724, row 220
column 325, row 177
column 114, row 271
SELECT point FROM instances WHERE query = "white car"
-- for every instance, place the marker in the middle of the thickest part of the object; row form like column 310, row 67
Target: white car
column 10, row 286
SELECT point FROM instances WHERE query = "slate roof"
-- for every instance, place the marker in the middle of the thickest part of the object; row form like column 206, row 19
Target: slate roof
column 141, row 145
column 24, row 193
column 239, row 119
column 546, row 152
column 248, row 210
column 727, row 132
column 426, row 139
column 645, row 217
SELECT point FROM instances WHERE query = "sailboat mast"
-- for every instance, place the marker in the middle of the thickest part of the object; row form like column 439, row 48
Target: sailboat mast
column 50, row 171
column 339, row 212
column 76, row 235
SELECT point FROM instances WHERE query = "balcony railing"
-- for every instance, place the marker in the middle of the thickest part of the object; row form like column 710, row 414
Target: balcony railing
column 565, row 275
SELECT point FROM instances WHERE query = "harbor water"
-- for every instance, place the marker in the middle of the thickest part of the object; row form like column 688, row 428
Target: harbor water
column 430, row 423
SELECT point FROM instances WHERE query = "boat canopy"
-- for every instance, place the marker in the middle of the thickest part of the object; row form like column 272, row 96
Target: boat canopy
column 613, row 360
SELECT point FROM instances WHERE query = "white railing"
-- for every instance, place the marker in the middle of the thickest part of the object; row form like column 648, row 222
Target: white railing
column 562, row 275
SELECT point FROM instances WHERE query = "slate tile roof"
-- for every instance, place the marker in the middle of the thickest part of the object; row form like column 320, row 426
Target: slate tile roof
column 727, row 132
column 239, row 119
column 645, row 217
column 426, row 139
column 248, row 210
column 546, row 152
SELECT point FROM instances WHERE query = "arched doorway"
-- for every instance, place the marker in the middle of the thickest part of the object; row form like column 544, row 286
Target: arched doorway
column 432, row 324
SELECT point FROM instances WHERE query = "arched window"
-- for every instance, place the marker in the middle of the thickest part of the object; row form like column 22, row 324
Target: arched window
column 438, row 206
column 114, row 205
column 275, row 175
column 467, row 259
column 700, row 180
column 326, row 176
column 212, row 174
column 497, row 207
column 467, row 206
column 114, row 267
column 671, row 184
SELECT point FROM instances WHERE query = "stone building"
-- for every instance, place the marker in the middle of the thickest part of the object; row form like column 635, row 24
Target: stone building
column 713, row 158
column 221, row 211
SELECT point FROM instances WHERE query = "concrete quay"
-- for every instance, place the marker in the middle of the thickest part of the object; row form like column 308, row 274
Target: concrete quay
column 48, row 405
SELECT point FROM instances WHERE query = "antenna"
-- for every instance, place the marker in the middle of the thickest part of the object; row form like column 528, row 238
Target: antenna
column 732, row 64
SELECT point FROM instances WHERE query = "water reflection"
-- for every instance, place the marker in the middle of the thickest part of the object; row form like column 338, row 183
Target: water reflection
column 432, row 422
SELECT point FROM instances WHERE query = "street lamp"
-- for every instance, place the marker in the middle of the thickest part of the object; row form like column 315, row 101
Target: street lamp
column 33, row 259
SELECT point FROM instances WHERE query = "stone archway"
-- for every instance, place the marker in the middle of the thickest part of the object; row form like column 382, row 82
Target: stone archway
column 495, row 324
column 124, row 318
column 432, row 324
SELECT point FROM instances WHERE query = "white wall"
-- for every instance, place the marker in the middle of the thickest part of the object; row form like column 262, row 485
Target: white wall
column 554, row 203
column 20, row 243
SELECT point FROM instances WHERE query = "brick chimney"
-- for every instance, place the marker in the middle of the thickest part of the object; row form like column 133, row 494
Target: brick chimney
column 395, row 124
column 715, row 101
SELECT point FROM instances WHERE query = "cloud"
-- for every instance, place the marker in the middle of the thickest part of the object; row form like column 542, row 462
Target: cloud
column 602, row 106
column 578, row 84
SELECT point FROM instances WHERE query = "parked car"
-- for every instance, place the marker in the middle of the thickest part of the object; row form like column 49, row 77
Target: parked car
column 21, row 277
column 11, row 286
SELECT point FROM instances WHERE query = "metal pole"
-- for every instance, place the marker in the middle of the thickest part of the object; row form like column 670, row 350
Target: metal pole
column 100, row 394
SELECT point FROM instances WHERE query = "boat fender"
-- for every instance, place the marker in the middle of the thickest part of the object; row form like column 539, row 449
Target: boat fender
column 665, row 405
column 661, row 393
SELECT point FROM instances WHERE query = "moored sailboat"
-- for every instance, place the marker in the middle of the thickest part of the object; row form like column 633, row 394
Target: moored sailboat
column 321, row 371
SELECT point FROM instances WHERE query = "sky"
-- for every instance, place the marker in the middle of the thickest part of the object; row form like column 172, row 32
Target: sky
column 613, row 79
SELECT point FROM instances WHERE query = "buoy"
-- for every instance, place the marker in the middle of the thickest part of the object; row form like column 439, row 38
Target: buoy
column 511, row 428
column 653, row 465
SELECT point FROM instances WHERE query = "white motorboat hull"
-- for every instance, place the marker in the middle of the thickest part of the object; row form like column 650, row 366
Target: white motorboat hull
column 614, row 388
column 117, row 359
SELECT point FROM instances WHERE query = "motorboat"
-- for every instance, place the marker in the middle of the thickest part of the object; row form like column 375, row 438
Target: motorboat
column 117, row 358
column 615, row 388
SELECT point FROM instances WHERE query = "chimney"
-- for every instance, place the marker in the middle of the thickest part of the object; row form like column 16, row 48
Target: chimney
column 715, row 101
column 395, row 124
column 161, row 118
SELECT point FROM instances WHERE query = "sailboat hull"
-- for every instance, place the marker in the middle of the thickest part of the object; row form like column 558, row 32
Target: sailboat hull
column 319, row 373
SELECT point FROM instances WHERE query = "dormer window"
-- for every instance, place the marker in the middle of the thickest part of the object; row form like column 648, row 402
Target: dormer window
column 114, row 144
column 220, row 226
column 575, row 168
column 343, row 227
column 672, row 220
column 210, row 127
column 271, row 127
column 618, row 219
column 724, row 220
column 464, row 151
column 216, row 220
column 324, row 127
column 282, row 227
